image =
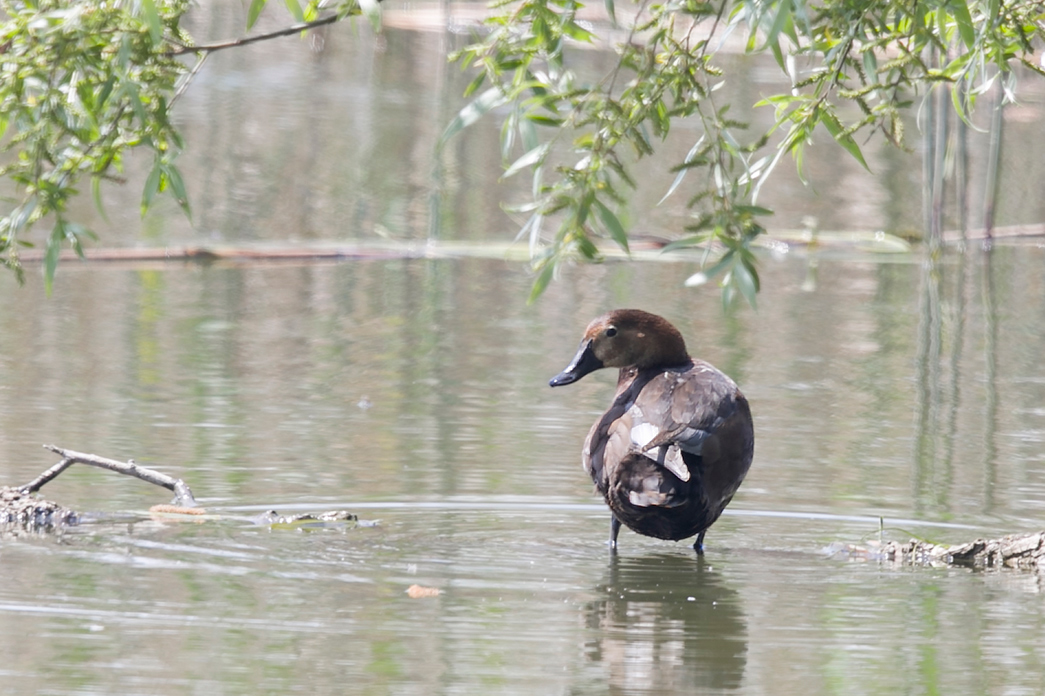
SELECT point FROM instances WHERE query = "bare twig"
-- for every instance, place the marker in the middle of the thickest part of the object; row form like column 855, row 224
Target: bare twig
column 188, row 78
column 293, row 29
column 44, row 478
column 182, row 494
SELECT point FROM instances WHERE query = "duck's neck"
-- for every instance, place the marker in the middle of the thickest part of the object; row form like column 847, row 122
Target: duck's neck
column 626, row 377
column 629, row 375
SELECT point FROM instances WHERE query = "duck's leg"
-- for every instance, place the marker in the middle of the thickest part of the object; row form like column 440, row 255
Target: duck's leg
column 614, row 531
column 698, row 545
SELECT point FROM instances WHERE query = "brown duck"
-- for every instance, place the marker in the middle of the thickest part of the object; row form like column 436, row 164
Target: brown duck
column 677, row 440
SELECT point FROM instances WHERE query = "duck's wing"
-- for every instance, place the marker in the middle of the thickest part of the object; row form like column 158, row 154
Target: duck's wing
column 678, row 411
column 664, row 416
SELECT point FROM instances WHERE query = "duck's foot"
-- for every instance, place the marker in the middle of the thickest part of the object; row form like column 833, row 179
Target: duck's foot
column 614, row 531
column 698, row 545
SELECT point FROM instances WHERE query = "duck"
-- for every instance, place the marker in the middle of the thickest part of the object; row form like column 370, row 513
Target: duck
column 677, row 440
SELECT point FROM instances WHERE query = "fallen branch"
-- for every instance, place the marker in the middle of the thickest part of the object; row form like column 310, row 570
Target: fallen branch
column 339, row 252
column 1013, row 551
column 20, row 508
column 28, row 512
column 182, row 494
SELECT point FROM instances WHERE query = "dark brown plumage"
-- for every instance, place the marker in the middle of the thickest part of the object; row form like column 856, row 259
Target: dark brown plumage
column 676, row 442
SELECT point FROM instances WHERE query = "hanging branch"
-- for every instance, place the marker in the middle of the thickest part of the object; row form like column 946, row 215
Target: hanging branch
column 288, row 31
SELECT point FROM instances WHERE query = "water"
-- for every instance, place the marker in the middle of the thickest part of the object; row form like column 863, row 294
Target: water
column 414, row 393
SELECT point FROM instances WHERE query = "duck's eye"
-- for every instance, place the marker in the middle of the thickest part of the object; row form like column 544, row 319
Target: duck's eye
column 611, row 332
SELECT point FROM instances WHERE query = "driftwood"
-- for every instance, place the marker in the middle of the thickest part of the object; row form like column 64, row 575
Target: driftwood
column 182, row 494
column 25, row 510
column 20, row 507
column 1013, row 551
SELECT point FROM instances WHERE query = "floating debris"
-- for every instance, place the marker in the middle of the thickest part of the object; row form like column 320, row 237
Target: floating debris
column 27, row 511
column 1013, row 551
column 334, row 519
column 420, row 592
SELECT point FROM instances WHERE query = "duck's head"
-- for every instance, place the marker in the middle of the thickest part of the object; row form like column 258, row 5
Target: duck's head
column 625, row 338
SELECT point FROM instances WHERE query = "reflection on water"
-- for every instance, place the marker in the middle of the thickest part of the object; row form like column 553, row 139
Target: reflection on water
column 905, row 387
column 246, row 382
column 667, row 624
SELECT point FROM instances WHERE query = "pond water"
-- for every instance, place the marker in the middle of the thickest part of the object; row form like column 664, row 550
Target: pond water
column 893, row 395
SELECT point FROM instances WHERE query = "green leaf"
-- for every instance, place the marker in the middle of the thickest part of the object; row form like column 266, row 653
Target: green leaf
column 586, row 247
column 964, row 21
column 152, row 19
column 844, row 139
column 584, row 208
column 783, row 17
column 96, row 194
column 129, row 90
column 73, row 233
column 20, row 216
column 612, row 224
column 746, row 282
column 173, row 176
column 611, row 10
column 295, row 10
column 753, row 210
column 54, row 249
column 472, row 112
column 577, row 32
column 540, row 120
column 256, row 6
column 544, row 276
column 707, row 274
column 528, row 133
column 475, row 84
column 508, row 135
column 683, row 169
column 372, row 11
column 532, row 157
column 106, row 90
column 871, row 65
column 152, row 186
column 684, row 243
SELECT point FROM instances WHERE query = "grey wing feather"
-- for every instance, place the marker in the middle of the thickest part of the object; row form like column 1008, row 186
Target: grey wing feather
column 679, row 411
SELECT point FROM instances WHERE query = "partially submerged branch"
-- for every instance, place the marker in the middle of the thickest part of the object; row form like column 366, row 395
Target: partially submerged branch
column 182, row 494
column 21, row 509
column 18, row 505
column 1013, row 551
column 25, row 510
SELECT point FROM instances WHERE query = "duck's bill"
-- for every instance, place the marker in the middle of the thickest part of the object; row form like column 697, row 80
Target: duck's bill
column 582, row 363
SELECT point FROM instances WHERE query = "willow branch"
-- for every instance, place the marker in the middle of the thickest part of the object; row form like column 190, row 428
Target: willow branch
column 293, row 29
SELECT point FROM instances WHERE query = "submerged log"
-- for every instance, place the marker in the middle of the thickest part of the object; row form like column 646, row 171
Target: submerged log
column 19, row 508
column 1012, row 551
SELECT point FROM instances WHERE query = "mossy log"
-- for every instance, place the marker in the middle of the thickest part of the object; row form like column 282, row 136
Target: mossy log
column 1012, row 551
column 21, row 509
